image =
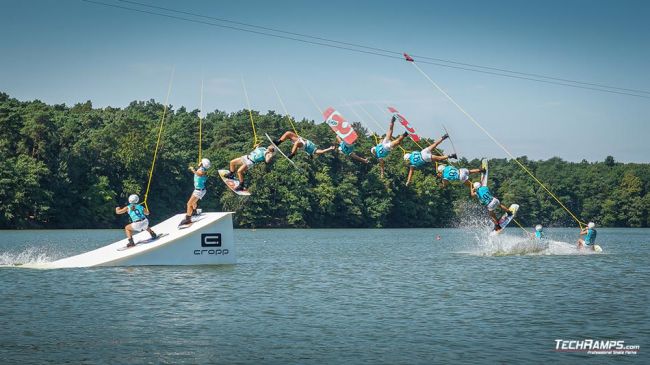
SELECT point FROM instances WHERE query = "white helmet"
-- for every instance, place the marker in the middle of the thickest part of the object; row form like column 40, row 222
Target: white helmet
column 206, row 163
column 591, row 225
column 407, row 156
column 538, row 227
column 134, row 198
column 477, row 185
column 441, row 167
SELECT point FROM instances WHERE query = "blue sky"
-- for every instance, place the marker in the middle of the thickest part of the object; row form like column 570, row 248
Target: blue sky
column 71, row 51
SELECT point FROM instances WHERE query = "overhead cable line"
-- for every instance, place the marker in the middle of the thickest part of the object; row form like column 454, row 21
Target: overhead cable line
column 503, row 72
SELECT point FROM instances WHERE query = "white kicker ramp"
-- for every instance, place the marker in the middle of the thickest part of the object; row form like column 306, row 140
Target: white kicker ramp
column 208, row 241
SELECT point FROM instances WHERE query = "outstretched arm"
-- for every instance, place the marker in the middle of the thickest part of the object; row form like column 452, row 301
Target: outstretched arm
column 320, row 152
column 268, row 156
column 121, row 210
column 359, row 158
column 408, row 179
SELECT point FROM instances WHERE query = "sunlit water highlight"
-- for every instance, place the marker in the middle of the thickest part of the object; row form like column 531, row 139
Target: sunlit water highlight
column 330, row 296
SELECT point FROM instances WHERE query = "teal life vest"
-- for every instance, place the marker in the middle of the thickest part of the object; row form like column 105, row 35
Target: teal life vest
column 450, row 173
column 484, row 195
column 416, row 159
column 539, row 235
column 257, row 155
column 590, row 238
column 347, row 149
column 310, row 147
column 199, row 181
column 381, row 151
column 136, row 212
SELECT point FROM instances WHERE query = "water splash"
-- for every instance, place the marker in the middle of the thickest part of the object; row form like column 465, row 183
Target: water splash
column 31, row 255
column 474, row 221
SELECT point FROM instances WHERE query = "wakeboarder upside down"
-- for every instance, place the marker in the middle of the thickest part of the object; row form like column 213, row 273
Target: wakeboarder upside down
column 417, row 159
column 383, row 148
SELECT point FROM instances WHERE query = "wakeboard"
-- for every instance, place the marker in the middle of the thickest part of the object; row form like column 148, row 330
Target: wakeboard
column 484, row 175
column 279, row 150
column 232, row 184
column 414, row 136
column 506, row 219
column 142, row 242
column 340, row 126
column 450, row 141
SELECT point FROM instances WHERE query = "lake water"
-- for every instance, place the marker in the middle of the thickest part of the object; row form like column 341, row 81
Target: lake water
column 330, row 296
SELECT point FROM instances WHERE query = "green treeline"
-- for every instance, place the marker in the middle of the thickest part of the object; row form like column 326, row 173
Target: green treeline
column 68, row 167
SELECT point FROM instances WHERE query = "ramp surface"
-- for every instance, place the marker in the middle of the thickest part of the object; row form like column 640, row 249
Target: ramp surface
column 208, row 241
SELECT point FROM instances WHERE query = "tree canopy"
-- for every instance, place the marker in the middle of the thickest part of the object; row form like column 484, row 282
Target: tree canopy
column 68, row 167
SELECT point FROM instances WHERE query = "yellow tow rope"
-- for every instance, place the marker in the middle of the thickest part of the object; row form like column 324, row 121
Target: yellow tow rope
column 201, row 124
column 284, row 108
column 580, row 223
column 155, row 153
column 250, row 114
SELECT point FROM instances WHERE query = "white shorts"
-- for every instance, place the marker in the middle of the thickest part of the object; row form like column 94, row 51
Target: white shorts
column 426, row 155
column 493, row 204
column 140, row 226
column 386, row 144
column 199, row 193
column 463, row 175
column 247, row 161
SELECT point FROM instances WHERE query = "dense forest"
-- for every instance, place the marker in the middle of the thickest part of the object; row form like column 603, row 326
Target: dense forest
column 69, row 167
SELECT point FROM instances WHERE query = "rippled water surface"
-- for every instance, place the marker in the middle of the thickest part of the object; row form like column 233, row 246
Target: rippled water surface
column 330, row 296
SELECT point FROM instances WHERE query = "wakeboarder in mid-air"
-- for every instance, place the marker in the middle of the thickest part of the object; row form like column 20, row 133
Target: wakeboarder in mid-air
column 383, row 148
column 417, row 159
column 450, row 173
column 348, row 150
column 299, row 142
column 241, row 164
column 485, row 197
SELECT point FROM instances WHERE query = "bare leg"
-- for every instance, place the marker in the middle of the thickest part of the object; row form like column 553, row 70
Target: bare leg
column 381, row 167
column 128, row 231
column 580, row 243
column 234, row 163
column 398, row 140
column 240, row 173
column 389, row 133
column 294, row 148
column 435, row 158
column 435, row 144
column 475, row 171
column 289, row 135
column 493, row 217
column 191, row 205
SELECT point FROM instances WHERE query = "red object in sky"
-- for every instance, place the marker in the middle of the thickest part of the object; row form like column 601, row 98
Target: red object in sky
column 408, row 58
